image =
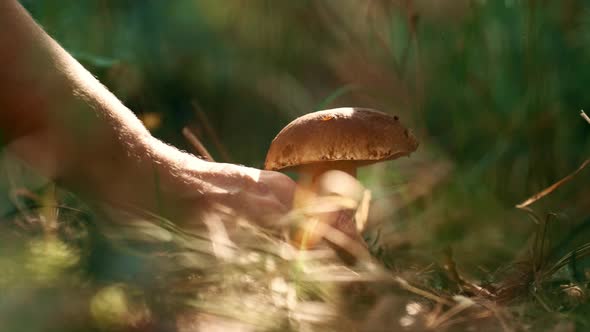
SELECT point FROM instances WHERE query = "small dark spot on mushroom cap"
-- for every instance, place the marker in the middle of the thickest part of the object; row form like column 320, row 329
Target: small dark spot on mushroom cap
column 287, row 151
column 395, row 117
column 331, row 151
column 414, row 18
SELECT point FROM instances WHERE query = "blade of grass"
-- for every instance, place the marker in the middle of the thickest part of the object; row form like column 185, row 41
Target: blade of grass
column 552, row 187
column 334, row 95
column 196, row 143
column 212, row 133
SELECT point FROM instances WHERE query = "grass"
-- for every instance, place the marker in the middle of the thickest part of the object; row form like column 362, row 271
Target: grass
column 150, row 274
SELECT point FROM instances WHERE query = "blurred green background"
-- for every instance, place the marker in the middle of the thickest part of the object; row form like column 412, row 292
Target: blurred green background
column 492, row 89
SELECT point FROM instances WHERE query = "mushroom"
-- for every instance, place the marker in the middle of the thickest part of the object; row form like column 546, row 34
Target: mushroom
column 341, row 139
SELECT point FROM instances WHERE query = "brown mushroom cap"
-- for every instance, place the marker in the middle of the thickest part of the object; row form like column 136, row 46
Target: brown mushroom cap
column 358, row 135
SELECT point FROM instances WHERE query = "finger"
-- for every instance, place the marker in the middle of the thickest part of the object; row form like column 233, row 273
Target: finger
column 263, row 209
column 341, row 184
column 280, row 185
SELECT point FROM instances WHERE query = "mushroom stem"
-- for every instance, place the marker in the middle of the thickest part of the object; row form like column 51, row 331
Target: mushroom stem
column 312, row 172
column 315, row 182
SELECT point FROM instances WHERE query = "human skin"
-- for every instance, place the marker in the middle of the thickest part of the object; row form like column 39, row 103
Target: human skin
column 62, row 122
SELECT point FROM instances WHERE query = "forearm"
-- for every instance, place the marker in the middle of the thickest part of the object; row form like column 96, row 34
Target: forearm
column 43, row 88
column 57, row 117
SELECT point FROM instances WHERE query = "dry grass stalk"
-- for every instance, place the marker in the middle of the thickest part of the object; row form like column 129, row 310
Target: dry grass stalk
column 552, row 187
column 212, row 133
column 196, row 143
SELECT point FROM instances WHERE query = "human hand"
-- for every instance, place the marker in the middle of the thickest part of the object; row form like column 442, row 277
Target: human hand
column 192, row 188
column 257, row 195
